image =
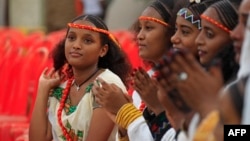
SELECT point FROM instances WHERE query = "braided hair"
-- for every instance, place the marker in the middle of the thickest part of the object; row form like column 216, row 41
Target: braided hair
column 198, row 8
column 228, row 17
column 227, row 12
column 167, row 9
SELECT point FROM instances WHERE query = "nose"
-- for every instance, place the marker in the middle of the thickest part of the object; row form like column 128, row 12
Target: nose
column 175, row 39
column 199, row 39
column 237, row 33
column 77, row 44
column 140, row 35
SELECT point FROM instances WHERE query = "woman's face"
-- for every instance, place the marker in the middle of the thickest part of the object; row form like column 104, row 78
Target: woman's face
column 238, row 34
column 211, row 38
column 185, row 35
column 83, row 47
column 152, row 37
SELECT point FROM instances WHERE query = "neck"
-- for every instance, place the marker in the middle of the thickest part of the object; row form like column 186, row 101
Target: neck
column 87, row 78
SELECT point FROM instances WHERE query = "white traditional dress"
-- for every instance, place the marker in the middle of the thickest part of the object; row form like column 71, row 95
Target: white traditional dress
column 77, row 118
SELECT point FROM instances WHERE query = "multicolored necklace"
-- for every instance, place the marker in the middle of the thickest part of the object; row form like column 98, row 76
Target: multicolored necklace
column 63, row 100
column 62, row 104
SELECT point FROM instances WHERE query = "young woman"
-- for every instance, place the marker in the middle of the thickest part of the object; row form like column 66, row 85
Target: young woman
column 233, row 100
column 154, row 28
column 188, row 25
column 213, row 37
column 65, row 107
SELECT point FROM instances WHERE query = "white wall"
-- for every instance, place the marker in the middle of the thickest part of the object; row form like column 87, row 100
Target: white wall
column 27, row 14
column 2, row 12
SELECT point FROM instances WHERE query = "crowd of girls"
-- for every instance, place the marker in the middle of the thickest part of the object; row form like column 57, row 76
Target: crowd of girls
column 195, row 83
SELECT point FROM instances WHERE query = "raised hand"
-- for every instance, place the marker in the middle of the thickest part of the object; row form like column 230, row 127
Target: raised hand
column 109, row 96
column 49, row 79
column 198, row 87
column 147, row 89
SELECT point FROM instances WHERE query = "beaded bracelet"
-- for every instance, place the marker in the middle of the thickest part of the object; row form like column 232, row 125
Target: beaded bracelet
column 127, row 114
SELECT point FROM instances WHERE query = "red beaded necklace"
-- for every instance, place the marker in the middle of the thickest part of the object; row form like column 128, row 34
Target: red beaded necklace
column 62, row 104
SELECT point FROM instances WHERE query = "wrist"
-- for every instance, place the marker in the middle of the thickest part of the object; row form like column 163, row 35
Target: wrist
column 127, row 114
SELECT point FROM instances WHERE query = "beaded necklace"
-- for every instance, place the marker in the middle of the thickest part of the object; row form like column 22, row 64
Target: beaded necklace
column 62, row 104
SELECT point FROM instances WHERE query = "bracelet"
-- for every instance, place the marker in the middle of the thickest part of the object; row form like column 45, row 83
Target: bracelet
column 127, row 114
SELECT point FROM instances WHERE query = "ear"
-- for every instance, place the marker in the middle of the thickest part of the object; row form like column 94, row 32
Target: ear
column 104, row 50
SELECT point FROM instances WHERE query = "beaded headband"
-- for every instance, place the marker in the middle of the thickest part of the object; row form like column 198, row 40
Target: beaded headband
column 80, row 26
column 215, row 23
column 153, row 19
column 189, row 16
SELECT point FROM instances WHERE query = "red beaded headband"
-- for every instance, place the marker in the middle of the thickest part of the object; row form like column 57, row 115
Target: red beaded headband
column 215, row 23
column 153, row 19
column 80, row 26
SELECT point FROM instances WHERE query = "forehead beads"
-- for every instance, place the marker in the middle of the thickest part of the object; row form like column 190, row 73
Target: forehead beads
column 87, row 27
column 153, row 19
column 214, row 22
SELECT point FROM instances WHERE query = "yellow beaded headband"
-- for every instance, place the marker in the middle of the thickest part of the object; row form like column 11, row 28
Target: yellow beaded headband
column 80, row 26
column 153, row 19
column 215, row 23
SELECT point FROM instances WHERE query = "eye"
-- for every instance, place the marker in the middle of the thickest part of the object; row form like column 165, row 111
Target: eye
column 71, row 37
column 175, row 29
column 139, row 28
column 148, row 27
column 243, row 19
column 88, row 41
column 209, row 34
column 185, row 32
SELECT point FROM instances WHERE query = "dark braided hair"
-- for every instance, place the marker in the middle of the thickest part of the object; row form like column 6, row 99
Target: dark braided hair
column 227, row 13
column 115, row 60
column 228, row 17
column 198, row 8
column 167, row 9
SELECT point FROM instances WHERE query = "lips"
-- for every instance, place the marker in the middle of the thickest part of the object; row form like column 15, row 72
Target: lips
column 201, row 53
column 177, row 48
column 75, row 54
column 141, row 46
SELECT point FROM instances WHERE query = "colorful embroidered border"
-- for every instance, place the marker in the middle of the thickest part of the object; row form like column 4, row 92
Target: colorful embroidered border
column 189, row 16
column 80, row 26
column 153, row 19
column 215, row 23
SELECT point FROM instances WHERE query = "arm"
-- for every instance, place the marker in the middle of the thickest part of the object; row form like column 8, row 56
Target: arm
column 130, row 118
column 101, row 126
column 40, row 128
column 126, row 115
